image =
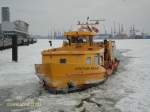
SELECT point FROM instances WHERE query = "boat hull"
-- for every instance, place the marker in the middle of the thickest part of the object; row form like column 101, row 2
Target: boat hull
column 77, row 77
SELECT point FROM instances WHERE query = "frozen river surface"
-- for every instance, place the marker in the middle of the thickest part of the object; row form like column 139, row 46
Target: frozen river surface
column 128, row 90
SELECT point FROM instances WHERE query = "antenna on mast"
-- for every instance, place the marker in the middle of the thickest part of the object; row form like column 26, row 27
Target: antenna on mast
column 97, row 20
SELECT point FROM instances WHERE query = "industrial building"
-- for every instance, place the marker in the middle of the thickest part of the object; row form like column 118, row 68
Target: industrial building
column 21, row 28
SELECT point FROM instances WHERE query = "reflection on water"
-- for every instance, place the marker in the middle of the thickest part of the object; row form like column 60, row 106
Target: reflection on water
column 127, row 90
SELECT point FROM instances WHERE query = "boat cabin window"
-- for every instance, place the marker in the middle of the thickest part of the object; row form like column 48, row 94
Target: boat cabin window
column 96, row 59
column 101, row 60
column 63, row 60
column 85, row 40
column 88, row 60
column 78, row 40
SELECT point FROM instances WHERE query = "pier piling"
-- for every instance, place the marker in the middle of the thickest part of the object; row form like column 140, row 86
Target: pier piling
column 14, row 48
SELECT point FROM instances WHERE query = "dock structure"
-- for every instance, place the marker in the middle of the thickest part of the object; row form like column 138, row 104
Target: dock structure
column 14, row 31
column 13, row 34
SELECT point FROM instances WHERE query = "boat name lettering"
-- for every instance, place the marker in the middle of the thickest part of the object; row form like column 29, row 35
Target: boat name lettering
column 86, row 68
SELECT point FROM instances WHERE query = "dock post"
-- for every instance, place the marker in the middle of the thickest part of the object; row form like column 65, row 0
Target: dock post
column 14, row 48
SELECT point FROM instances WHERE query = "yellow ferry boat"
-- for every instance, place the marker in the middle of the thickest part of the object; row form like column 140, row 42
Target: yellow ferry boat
column 79, row 63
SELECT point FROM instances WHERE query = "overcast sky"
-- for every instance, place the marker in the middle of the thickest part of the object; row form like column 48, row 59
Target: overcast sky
column 46, row 15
